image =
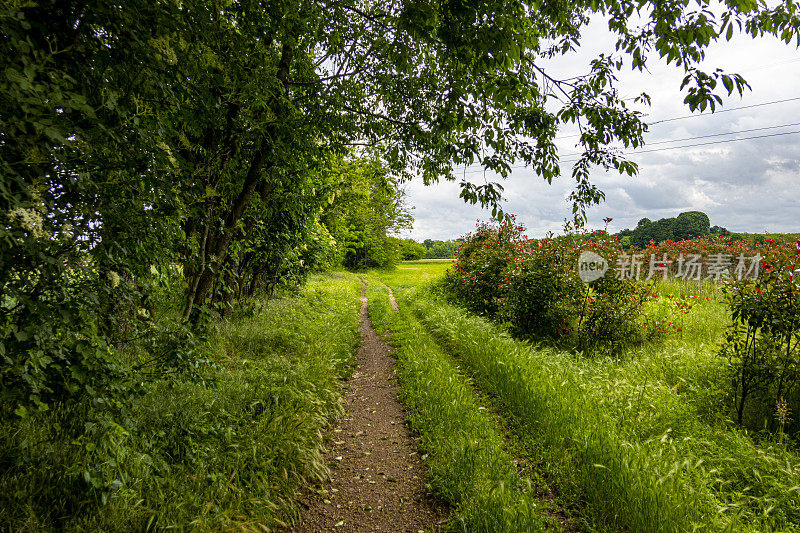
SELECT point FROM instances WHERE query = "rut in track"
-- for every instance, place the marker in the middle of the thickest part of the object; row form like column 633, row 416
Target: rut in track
column 377, row 477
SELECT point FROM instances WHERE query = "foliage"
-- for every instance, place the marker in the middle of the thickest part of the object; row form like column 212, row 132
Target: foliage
column 146, row 134
column 365, row 208
column 762, row 344
column 612, row 316
column 688, row 225
column 410, row 250
column 138, row 135
column 533, row 286
column 477, row 276
column 441, row 249
column 541, row 291
column 83, row 209
column 231, row 455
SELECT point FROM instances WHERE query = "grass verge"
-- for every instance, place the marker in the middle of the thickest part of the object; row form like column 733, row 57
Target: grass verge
column 628, row 452
column 193, row 456
column 463, row 449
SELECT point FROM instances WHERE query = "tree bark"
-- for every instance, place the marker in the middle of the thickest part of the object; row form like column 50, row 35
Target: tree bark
column 220, row 240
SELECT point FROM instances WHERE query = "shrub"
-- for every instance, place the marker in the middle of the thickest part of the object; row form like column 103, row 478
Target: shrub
column 611, row 318
column 532, row 286
column 762, row 344
column 477, row 276
column 542, row 291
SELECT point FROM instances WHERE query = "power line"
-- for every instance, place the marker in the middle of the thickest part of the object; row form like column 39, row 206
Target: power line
column 674, row 147
column 772, row 102
column 709, row 136
column 770, row 65
column 672, row 119
column 728, row 133
column 723, row 110
column 705, row 144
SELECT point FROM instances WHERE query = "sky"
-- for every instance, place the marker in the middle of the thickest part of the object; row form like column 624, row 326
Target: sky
column 745, row 186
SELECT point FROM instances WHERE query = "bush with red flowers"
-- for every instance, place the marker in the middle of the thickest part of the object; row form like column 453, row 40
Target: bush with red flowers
column 476, row 277
column 541, row 291
column 532, row 285
column 613, row 317
column 762, row 343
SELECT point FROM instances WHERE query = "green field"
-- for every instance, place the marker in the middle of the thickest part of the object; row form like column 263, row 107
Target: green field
column 515, row 436
column 628, row 443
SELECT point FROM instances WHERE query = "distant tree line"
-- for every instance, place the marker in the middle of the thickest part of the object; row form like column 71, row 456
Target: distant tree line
column 411, row 250
column 441, row 249
column 688, row 225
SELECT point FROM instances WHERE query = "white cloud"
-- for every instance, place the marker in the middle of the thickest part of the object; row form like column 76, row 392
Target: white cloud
column 749, row 185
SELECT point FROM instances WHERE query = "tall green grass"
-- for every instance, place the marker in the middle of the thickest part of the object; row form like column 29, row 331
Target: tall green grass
column 191, row 456
column 622, row 442
column 463, row 449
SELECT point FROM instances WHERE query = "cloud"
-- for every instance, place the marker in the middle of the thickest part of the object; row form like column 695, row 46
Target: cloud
column 748, row 185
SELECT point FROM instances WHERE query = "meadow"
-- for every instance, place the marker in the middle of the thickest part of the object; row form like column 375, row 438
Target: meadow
column 516, row 433
column 638, row 441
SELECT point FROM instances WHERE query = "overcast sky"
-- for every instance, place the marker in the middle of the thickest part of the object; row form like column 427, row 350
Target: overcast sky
column 749, row 185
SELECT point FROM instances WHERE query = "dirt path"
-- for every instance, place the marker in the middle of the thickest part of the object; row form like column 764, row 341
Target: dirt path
column 378, row 478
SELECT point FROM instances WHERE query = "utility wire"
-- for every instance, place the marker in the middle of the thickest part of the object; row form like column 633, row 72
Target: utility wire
column 724, row 110
column 728, row 133
column 689, row 138
column 707, row 137
column 703, row 144
column 669, row 147
column 672, row 119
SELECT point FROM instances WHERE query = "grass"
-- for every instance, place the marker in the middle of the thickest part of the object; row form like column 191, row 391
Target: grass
column 468, row 465
column 228, row 456
column 413, row 273
column 639, row 442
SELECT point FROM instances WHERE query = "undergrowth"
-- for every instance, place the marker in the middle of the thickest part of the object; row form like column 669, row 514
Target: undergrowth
column 229, row 452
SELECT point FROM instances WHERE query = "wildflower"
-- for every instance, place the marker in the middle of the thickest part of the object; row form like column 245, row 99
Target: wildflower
column 782, row 412
column 30, row 220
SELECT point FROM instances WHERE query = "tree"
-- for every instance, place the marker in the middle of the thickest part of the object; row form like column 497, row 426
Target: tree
column 411, row 250
column 443, row 250
column 366, row 209
column 137, row 133
column 719, row 230
column 692, row 224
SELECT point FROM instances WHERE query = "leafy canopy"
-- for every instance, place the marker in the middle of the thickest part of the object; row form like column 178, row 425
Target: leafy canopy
column 138, row 133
